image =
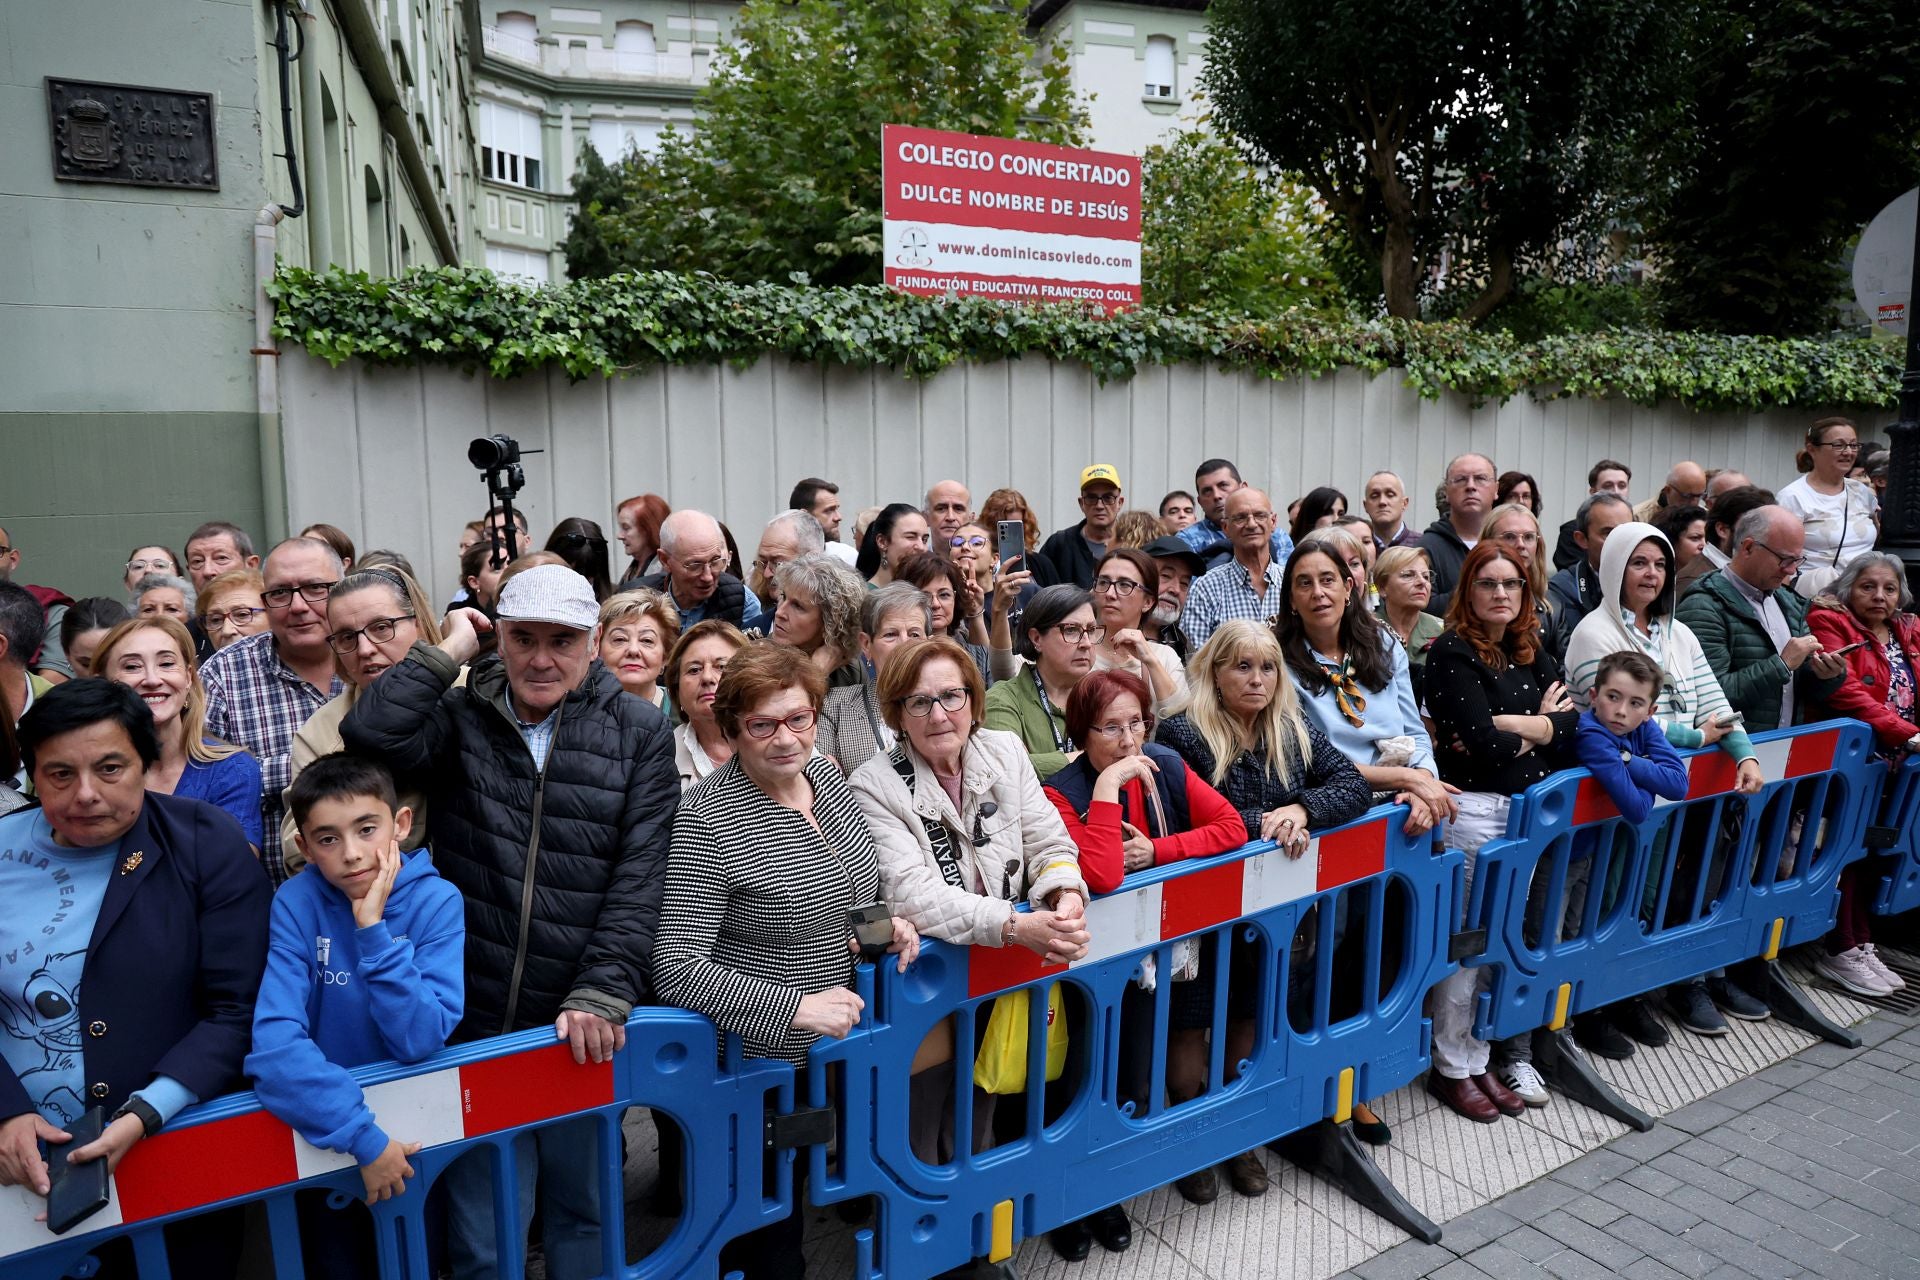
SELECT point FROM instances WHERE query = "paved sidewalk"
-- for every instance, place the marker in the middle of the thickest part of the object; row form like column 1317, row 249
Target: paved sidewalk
column 1807, row 1168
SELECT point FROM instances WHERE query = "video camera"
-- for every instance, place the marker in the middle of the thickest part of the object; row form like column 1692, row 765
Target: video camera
column 497, row 457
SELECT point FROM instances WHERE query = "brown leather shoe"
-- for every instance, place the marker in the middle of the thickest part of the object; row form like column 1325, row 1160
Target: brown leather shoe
column 1464, row 1097
column 1509, row 1102
column 1198, row 1188
column 1247, row 1174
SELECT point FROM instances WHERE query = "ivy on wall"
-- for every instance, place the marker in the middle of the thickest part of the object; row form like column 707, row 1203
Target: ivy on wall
column 466, row 317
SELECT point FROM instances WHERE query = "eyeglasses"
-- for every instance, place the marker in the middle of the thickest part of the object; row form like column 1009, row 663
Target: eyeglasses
column 766, row 726
column 1134, row 728
column 379, row 631
column 1100, row 499
column 920, row 705
column 716, row 566
column 311, row 592
column 764, row 565
column 4, row 550
column 1500, row 586
column 239, row 617
column 1075, row 632
column 143, row 564
column 1123, row 587
column 1250, row 518
column 1840, row 446
column 962, row 540
column 1455, row 482
column 1517, row 538
column 1786, row 561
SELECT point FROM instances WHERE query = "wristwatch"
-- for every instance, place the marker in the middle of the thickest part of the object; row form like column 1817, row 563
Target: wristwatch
column 150, row 1119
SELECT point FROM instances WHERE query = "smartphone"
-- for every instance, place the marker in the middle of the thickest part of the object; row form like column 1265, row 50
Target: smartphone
column 75, row 1192
column 872, row 927
column 1727, row 719
column 1012, row 533
column 1845, row 649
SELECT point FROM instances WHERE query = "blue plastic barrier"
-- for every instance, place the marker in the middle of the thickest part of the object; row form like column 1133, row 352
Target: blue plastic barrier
column 1712, row 880
column 1899, row 820
column 1097, row 1151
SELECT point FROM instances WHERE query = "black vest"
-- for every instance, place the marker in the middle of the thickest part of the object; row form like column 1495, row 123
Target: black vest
column 1075, row 782
column 727, row 603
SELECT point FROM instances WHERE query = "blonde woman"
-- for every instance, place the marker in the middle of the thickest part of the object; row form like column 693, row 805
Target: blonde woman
column 154, row 656
column 1242, row 730
column 638, row 629
column 374, row 615
column 1517, row 531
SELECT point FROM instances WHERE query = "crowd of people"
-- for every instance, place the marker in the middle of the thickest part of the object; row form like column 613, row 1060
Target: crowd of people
column 289, row 817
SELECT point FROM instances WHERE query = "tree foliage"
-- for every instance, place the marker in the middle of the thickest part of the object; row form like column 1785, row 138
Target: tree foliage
column 1215, row 233
column 1499, row 129
column 466, row 317
column 782, row 174
column 1804, row 122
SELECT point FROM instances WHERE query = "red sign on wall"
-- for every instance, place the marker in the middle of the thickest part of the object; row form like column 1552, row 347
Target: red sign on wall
column 1017, row 221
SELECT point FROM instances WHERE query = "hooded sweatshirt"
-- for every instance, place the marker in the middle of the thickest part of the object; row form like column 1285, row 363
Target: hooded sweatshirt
column 337, row 996
column 1690, row 694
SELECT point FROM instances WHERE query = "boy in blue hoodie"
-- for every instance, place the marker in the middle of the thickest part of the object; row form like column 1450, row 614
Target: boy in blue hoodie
column 1619, row 742
column 363, row 964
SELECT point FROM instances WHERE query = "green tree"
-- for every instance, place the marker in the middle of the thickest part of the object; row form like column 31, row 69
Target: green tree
column 1214, row 233
column 782, row 173
column 1501, row 131
column 1805, row 121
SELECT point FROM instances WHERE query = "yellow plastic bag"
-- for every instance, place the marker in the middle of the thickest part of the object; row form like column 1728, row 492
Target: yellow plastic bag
column 1000, row 1066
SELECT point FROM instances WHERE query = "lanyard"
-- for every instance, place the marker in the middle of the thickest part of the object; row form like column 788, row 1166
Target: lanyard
column 1060, row 744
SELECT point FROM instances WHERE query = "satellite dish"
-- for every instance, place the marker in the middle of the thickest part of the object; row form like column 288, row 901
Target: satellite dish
column 1883, row 265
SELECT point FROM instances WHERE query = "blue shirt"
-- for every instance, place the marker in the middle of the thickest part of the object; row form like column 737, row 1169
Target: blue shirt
column 232, row 784
column 1390, row 713
column 1211, row 542
column 53, row 896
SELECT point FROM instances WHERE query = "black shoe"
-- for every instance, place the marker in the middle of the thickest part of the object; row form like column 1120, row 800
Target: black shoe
column 1736, row 1003
column 1637, row 1018
column 1596, row 1033
column 1691, row 1004
column 1073, row 1241
column 1112, row 1229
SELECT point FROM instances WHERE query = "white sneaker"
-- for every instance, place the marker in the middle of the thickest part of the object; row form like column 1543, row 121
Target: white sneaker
column 1849, row 971
column 1526, row 1083
column 1880, row 969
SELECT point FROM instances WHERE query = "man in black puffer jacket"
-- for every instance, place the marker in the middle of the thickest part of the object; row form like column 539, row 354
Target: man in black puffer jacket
column 551, row 800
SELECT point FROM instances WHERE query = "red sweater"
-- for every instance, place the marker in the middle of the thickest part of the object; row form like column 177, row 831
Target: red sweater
column 1216, row 828
column 1863, row 695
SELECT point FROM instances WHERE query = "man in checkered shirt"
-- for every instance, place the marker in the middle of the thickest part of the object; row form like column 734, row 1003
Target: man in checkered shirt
column 1247, row 586
column 262, row 688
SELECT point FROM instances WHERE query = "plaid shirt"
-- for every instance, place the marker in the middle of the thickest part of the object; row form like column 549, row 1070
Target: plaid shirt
column 256, row 701
column 1226, row 592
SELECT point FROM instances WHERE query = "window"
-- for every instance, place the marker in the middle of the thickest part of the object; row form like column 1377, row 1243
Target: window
column 517, row 264
column 1159, row 67
column 613, row 139
column 518, row 25
column 633, row 48
column 510, row 144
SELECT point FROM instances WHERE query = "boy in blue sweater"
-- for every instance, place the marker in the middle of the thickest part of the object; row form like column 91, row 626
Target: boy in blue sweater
column 1620, row 744
column 363, row 964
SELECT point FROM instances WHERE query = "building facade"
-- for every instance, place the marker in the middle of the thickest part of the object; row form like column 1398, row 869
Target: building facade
column 1136, row 66
column 144, row 196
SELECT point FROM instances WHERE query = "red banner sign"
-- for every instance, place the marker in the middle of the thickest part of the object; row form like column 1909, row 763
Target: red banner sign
column 1017, row 221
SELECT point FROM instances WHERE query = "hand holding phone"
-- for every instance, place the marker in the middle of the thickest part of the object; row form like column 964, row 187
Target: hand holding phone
column 1844, row 650
column 872, row 927
column 76, row 1191
column 1012, row 541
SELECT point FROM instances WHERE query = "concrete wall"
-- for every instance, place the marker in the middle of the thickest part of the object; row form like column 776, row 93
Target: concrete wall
column 382, row 452
column 128, row 407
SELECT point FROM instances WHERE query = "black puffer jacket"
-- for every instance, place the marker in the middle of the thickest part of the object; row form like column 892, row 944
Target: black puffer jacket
column 577, row 932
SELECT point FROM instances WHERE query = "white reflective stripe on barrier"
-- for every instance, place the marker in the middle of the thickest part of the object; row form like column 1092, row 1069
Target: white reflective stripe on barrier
column 1201, row 897
column 246, row 1154
column 1715, row 772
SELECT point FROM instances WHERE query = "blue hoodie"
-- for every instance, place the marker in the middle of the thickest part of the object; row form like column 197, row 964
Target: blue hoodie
column 336, row 996
column 1633, row 769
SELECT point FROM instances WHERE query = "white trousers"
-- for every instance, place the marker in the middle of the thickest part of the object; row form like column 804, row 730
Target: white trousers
column 1457, row 1054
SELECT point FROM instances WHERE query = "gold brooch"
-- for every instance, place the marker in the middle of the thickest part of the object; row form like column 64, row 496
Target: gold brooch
column 132, row 863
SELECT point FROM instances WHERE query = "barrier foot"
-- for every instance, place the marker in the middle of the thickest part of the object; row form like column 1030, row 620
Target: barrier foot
column 1332, row 1151
column 1791, row 1005
column 1572, row 1076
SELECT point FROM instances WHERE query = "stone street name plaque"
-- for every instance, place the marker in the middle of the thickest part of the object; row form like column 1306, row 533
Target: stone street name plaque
column 133, row 135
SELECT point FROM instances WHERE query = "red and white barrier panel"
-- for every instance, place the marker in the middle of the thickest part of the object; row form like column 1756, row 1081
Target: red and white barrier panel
column 245, row 1155
column 1201, row 898
column 1715, row 773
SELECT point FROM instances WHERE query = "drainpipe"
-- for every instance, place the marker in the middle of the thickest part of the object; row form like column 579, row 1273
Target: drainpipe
column 266, row 355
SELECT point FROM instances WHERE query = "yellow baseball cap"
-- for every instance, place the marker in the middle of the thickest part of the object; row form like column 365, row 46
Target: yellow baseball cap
column 1100, row 471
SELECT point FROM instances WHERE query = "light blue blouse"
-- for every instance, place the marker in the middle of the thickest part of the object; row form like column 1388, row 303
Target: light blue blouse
column 1390, row 713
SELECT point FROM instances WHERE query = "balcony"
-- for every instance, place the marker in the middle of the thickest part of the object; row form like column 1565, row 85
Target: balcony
column 575, row 63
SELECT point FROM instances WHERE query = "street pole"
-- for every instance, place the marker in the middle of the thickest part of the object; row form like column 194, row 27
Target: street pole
column 1900, row 520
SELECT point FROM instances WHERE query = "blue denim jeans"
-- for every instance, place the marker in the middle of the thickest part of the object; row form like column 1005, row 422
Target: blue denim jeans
column 561, row 1165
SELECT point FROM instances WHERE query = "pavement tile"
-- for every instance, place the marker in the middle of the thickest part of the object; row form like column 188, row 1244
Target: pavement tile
column 1742, row 1095
column 1897, row 1231
column 1569, row 1265
column 1470, row 1231
column 1712, row 1181
column 1672, row 1250
column 1743, row 1253
column 1593, row 1211
column 1660, row 1210
column 1810, row 1223
column 1656, row 1141
column 1502, row 1263
column 1535, row 1199
column 1896, row 1132
column 1698, row 1117
column 1727, row 1271
column 1650, row 1269
column 1593, row 1169
column 1459, row 1270
column 1408, row 1261
column 1874, row 1258
column 1712, row 1209
column 1530, row 1243
column 1589, row 1240
column 1650, row 1179
column 1790, row 1074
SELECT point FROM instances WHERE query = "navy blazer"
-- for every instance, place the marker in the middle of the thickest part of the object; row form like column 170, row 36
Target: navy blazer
column 174, row 962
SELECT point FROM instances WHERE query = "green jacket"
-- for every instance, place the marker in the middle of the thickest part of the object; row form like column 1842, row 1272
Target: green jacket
column 1751, row 671
column 1014, row 705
